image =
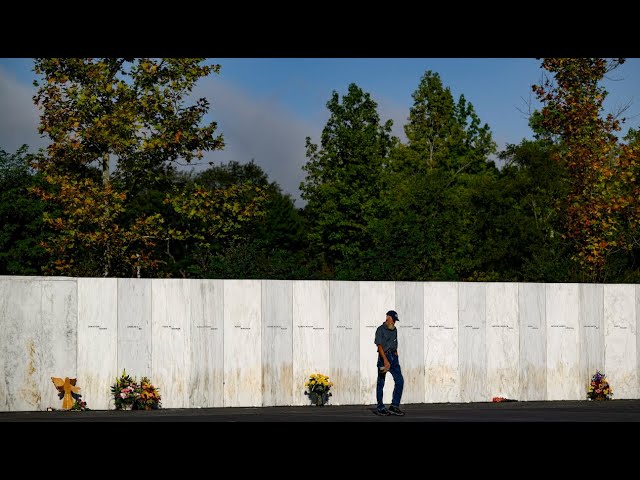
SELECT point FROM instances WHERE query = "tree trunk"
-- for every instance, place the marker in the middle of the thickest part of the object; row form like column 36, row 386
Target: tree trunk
column 105, row 169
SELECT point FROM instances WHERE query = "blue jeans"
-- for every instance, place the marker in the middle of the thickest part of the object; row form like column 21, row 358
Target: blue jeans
column 398, row 380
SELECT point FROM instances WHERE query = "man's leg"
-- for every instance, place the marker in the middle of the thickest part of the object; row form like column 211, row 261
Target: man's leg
column 398, row 380
column 380, row 384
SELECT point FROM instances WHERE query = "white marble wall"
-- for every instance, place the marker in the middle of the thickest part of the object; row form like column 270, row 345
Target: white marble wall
column 591, row 332
column 310, row 334
column 503, row 337
column 171, row 341
column 97, row 340
column 442, row 374
column 207, row 343
column 620, row 336
column 410, row 308
column 563, row 350
column 214, row 343
column 277, row 342
column 134, row 327
column 344, row 358
column 533, row 342
column 242, row 343
column 472, row 342
column 376, row 299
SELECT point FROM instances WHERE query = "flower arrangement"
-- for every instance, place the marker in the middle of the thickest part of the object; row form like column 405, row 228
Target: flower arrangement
column 149, row 396
column 318, row 387
column 128, row 394
column 125, row 392
column 599, row 388
column 79, row 405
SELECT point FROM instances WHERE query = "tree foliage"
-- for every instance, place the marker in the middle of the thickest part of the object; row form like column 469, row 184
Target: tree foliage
column 602, row 204
column 111, row 198
column 132, row 113
column 345, row 176
column 89, row 239
column 443, row 133
column 21, row 224
column 131, row 110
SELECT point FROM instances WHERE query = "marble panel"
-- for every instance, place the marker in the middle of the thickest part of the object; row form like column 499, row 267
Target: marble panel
column 21, row 345
column 242, row 343
column 410, row 308
column 442, row 374
column 620, row 337
column 311, row 335
column 277, row 342
column 503, row 340
column 591, row 331
column 563, row 350
column 97, row 340
column 533, row 342
column 171, row 340
column 134, row 327
column 344, row 361
column 59, row 338
column 472, row 342
column 206, row 389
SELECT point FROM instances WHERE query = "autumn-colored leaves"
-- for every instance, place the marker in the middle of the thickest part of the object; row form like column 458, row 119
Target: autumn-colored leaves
column 116, row 127
column 602, row 209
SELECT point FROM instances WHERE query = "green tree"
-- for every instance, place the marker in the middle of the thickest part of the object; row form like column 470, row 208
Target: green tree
column 21, row 225
column 344, row 177
column 271, row 245
column 424, row 233
column 430, row 224
column 132, row 114
column 444, row 134
column 533, row 187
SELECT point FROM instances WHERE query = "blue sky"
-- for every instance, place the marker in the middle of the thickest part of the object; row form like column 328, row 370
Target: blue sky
column 265, row 107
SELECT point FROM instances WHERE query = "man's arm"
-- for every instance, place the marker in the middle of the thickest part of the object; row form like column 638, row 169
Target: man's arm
column 387, row 365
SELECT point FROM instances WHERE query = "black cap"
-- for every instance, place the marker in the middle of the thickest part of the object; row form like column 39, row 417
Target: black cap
column 393, row 314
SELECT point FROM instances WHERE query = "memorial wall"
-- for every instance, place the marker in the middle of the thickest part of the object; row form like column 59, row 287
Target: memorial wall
column 252, row 343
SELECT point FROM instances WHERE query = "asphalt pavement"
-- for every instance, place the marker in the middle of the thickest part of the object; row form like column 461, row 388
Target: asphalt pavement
column 543, row 411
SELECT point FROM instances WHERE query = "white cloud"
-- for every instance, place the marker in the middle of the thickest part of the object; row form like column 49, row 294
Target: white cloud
column 20, row 117
column 253, row 128
column 261, row 130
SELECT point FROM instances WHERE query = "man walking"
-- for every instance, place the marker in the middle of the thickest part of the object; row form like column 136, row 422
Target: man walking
column 387, row 342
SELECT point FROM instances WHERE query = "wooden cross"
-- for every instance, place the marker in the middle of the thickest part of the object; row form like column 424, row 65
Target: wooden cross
column 66, row 386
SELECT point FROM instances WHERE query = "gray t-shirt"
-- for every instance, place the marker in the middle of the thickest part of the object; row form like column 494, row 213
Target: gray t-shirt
column 387, row 338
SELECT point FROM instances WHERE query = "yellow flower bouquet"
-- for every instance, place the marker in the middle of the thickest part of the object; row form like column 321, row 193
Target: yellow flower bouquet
column 318, row 387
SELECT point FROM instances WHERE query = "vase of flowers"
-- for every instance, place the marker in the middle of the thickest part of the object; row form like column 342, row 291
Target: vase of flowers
column 599, row 388
column 317, row 388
